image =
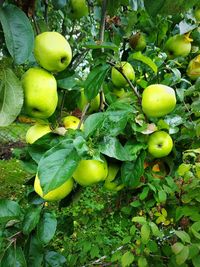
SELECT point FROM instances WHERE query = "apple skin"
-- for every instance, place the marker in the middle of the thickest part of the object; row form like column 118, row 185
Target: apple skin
column 138, row 41
column 40, row 93
column 37, row 131
column 79, row 9
column 178, row 46
column 52, row 51
column 110, row 184
column 56, row 194
column 193, row 69
column 90, row 172
column 71, row 122
column 158, row 100
column 118, row 79
column 160, row 144
column 83, row 101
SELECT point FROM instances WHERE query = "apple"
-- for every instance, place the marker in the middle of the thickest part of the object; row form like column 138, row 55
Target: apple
column 160, row 144
column 110, row 184
column 56, row 194
column 193, row 69
column 71, row 122
column 52, row 51
column 40, row 93
column 79, row 9
column 178, row 46
column 197, row 14
column 90, row 171
column 117, row 78
column 83, row 101
column 118, row 92
column 138, row 41
column 37, row 131
column 158, row 100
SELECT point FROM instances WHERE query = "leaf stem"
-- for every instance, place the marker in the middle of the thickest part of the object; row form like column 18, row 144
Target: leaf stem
column 83, row 115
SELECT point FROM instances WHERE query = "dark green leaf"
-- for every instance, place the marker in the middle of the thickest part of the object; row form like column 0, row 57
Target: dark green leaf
column 105, row 45
column 80, row 145
column 46, row 227
column 144, row 193
column 92, row 123
column 68, row 83
column 146, row 60
column 31, row 219
column 13, row 257
column 11, row 97
column 54, row 259
column 9, row 210
column 34, row 252
column 133, row 148
column 18, row 33
column 94, row 81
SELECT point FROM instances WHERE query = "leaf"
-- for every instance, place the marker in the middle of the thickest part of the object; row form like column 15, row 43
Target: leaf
column 46, row 228
column 177, row 247
column 9, row 210
column 57, row 165
column 94, row 81
column 162, row 196
column 132, row 171
column 182, row 256
column 34, row 252
column 14, row 256
column 133, row 148
column 139, row 219
column 54, row 259
column 155, row 230
column 18, row 33
column 146, row 60
column 185, row 238
column 80, row 145
column 31, row 219
column 68, row 83
column 127, row 259
column 101, row 45
column 11, row 97
column 195, row 261
column 142, row 262
column 92, row 123
column 144, row 193
column 145, row 233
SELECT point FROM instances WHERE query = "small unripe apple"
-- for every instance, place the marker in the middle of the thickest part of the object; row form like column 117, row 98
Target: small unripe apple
column 79, row 9
column 197, row 14
column 178, row 46
column 71, row 122
column 52, row 51
column 37, row 131
column 160, row 144
column 138, row 41
column 117, row 78
column 158, row 100
column 193, row 69
column 56, row 194
column 40, row 93
column 83, row 101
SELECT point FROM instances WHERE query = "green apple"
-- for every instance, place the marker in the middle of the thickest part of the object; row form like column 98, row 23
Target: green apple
column 178, row 46
column 138, row 41
column 52, row 51
column 197, row 14
column 158, row 100
column 119, row 92
column 83, row 101
column 71, row 122
column 90, row 172
column 160, row 144
column 117, row 78
column 110, row 184
column 40, row 93
column 56, row 194
column 193, row 69
column 37, row 131
column 79, row 9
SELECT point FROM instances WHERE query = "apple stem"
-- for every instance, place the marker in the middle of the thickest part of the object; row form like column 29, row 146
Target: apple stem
column 83, row 115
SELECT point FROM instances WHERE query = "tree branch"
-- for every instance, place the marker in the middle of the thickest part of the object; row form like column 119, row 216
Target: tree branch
column 83, row 115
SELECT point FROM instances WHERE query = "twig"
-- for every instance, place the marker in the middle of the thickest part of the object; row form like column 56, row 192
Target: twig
column 46, row 11
column 35, row 25
column 83, row 115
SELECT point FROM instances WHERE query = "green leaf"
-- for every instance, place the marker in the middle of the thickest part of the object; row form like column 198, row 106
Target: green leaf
column 127, row 259
column 80, row 145
column 185, row 238
column 57, row 165
column 155, row 230
column 144, row 193
column 182, row 256
column 54, row 259
column 18, row 33
column 94, row 252
column 34, row 251
column 195, row 261
column 46, row 228
column 92, row 123
column 31, row 219
column 139, row 219
column 162, row 196
column 142, row 262
column 68, row 83
column 11, row 97
column 9, row 210
column 146, row 60
column 103, row 45
column 13, row 257
column 145, row 233
column 94, row 81
column 177, row 247
column 133, row 148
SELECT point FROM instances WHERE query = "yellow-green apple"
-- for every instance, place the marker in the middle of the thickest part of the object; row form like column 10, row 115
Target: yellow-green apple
column 158, row 100
column 160, row 144
column 90, row 171
column 71, row 122
column 119, row 92
column 56, row 194
column 40, row 93
column 79, row 9
column 52, row 51
column 138, row 41
column 117, row 78
column 83, row 101
column 110, row 184
column 37, row 131
column 193, row 69
column 178, row 46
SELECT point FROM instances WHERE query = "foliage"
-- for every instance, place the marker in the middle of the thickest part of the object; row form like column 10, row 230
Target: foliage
column 154, row 219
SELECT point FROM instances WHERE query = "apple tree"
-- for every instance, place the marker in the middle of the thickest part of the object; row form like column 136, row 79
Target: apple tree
column 113, row 92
